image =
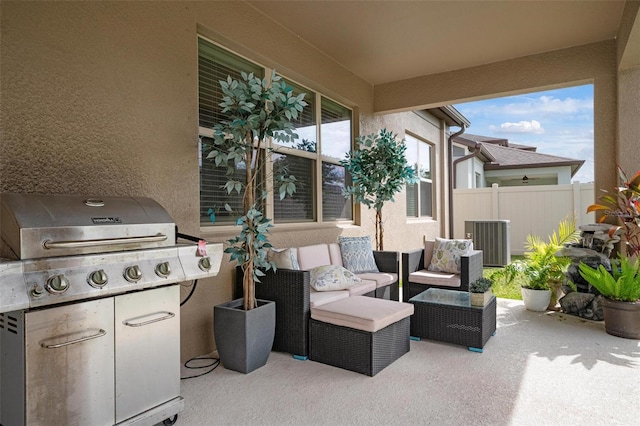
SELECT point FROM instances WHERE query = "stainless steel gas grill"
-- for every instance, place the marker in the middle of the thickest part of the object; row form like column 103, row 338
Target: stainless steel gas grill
column 90, row 309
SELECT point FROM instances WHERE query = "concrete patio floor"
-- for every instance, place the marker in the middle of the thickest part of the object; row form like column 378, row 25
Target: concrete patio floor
column 539, row 369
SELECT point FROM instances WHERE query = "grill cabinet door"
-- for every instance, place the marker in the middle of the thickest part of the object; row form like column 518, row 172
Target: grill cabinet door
column 69, row 365
column 147, row 350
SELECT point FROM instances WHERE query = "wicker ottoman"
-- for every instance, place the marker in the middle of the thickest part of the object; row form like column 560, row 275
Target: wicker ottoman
column 359, row 333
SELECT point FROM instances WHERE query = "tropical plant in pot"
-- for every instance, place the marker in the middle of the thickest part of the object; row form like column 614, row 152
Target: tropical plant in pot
column 542, row 272
column 258, row 111
column 480, row 291
column 620, row 287
column 378, row 170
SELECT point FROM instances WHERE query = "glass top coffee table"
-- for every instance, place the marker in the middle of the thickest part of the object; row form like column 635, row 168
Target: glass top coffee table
column 448, row 316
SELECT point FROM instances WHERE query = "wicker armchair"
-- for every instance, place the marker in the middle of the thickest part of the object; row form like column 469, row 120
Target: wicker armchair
column 291, row 289
column 413, row 261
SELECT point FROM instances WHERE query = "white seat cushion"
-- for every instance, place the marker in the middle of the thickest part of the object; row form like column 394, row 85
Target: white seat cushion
column 382, row 279
column 363, row 287
column 317, row 298
column 444, row 279
column 362, row 313
column 310, row 257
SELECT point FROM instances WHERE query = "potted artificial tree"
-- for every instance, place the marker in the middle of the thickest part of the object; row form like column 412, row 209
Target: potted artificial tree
column 620, row 287
column 480, row 291
column 378, row 171
column 257, row 110
column 542, row 272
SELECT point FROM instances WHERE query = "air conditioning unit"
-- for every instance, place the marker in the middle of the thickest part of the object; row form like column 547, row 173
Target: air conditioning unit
column 492, row 237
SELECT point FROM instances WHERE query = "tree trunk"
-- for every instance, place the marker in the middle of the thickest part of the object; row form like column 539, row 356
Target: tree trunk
column 379, row 230
column 248, row 285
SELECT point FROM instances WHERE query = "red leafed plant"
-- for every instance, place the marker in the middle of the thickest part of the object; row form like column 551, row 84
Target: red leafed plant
column 624, row 204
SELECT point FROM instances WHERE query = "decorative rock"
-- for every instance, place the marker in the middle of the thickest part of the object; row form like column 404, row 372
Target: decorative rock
column 588, row 256
column 584, row 305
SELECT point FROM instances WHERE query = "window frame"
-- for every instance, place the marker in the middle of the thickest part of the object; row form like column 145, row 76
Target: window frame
column 317, row 158
column 415, row 188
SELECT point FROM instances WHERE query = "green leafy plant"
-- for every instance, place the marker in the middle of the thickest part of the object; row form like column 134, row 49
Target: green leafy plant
column 480, row 285
column 621, row 283
column 624, row 206
column 540, row 265
column 378, row 171
column 257, row 110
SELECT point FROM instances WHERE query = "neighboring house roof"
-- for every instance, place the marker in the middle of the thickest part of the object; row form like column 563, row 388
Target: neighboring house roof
column 469, row 140
column 501, row 154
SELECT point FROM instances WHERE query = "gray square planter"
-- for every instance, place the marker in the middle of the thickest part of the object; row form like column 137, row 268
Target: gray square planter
column 244, row 338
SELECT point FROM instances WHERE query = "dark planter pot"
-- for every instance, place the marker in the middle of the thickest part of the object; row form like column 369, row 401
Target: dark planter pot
column 244, row 338
column 621, row 319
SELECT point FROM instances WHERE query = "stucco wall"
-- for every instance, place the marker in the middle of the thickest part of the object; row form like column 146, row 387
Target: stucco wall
column 101, row 98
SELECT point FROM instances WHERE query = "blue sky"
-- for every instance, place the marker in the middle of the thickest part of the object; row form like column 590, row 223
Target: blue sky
column 557, row 122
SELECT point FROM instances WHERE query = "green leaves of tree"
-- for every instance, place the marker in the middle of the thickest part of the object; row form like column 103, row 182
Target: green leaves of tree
column 378, row 169
column 256, row 109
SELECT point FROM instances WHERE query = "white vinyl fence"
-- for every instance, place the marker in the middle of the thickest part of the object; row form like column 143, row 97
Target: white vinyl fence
column 535, row 209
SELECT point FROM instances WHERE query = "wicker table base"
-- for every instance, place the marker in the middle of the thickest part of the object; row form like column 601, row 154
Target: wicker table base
column 356, row 350
column 447, row 316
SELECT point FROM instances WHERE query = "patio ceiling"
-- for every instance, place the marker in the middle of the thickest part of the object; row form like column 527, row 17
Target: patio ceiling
column 387, row 41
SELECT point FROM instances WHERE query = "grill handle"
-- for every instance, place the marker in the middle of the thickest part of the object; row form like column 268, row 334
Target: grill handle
column 100, row 333
column 168, row 315
column 48, row 244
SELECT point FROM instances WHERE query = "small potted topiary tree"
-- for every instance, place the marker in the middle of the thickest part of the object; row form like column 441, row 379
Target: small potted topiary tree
column 378, row 171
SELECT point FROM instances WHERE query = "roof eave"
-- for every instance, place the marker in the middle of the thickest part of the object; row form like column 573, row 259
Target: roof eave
column 575, row 165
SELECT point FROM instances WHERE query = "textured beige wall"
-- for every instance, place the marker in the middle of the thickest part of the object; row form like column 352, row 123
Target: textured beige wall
column 101, row 98
column 629, row 120
column 628, row 44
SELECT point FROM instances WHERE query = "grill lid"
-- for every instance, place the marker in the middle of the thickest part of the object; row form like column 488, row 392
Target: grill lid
column 37, row 225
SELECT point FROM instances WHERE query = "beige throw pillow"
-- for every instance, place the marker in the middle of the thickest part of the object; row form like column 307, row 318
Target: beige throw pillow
column 284, row 259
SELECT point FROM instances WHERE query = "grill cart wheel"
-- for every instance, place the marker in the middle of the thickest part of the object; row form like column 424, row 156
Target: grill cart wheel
column 170, row 421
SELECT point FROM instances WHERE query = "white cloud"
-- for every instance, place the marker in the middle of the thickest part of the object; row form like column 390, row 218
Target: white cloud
column 532, row 126
column 545, row 105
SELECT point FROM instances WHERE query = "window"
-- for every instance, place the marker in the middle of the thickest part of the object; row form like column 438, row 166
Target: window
column 335, row 134
column 420, row 195
column 313, row 158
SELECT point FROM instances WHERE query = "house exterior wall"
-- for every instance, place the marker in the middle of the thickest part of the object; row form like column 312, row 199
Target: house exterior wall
column 559, row 175
column 102, row 98
column 466, row 173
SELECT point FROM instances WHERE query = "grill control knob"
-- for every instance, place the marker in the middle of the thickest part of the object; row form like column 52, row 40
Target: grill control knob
column 37, row 291
column 57, row 284
column 132, row 273
column 205, row 264
column 98, row 279
column 163, row 270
